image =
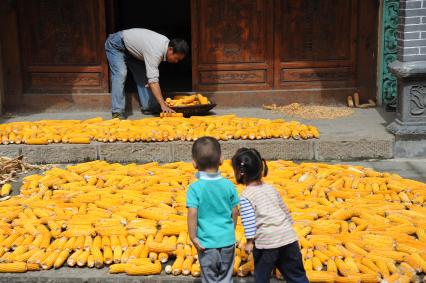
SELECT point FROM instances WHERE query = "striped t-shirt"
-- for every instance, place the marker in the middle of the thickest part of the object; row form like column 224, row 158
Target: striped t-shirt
column 265, row 217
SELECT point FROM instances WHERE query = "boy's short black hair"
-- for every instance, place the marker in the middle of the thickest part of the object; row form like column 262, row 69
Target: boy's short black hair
column 179, row 45
column 206, row 153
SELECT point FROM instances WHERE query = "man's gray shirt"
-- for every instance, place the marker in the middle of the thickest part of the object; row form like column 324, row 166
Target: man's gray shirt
column 148, row 46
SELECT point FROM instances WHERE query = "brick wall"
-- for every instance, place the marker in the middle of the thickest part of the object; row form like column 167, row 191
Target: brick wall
column 412, row 30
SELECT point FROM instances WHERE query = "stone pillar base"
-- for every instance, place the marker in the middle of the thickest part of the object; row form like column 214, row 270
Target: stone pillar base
column 401, row 128
column 411, row 108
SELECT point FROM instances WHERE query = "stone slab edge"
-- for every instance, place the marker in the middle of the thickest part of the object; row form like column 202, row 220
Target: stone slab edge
column 354, row 149
column 272, row 149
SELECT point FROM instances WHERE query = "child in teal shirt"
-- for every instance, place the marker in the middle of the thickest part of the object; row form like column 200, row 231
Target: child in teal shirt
column 212, row 203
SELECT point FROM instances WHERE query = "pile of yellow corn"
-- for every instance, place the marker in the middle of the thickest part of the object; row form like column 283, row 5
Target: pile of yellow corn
column 354, row 224
column 187, row 100
column 152, row 130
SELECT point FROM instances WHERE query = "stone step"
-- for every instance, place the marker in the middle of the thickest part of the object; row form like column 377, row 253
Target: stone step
column 322, row 149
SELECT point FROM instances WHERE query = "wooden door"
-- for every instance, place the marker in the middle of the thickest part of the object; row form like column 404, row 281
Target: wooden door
column 315, row 43
column 62, row 43
column 232, row 44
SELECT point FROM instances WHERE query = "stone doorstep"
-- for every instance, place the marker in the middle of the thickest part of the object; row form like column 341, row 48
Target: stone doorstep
column 321, row 149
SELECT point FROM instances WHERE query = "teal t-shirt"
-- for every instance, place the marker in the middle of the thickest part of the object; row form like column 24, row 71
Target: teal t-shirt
column 214, row 197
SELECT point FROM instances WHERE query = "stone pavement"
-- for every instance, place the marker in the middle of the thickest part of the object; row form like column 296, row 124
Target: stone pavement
column 86, row 275
column 361, row 136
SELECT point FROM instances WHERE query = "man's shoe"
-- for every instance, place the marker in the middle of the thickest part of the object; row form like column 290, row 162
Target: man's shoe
column 120, row 116
column 150, row 112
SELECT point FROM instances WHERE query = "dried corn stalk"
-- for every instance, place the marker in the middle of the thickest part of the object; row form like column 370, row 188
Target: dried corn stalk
column 11, row 167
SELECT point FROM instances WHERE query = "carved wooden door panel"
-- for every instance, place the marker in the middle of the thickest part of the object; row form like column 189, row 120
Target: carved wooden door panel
column 315, row 43
column 232, row 43
column 62, row 43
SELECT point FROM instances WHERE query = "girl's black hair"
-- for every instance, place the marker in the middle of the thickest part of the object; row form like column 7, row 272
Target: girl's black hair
column 249, row 166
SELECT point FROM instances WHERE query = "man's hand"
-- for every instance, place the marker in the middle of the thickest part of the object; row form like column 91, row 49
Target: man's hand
column 249, row 246
column 156, row 91
column 167, row 109
column 198, row 246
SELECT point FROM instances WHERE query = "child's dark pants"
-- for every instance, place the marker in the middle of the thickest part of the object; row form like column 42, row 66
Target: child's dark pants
column 287, row 259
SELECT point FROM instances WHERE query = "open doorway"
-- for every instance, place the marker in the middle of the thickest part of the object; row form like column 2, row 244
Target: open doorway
column 170, row 18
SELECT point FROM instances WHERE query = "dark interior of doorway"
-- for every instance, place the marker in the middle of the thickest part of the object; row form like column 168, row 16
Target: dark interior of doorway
column 170, row 18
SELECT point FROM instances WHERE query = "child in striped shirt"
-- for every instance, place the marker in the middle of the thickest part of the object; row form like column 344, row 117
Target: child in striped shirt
column 267, row 221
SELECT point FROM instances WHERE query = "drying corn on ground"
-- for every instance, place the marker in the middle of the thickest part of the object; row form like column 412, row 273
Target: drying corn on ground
column 152, row 130
column 354, row 224
column 311, row 111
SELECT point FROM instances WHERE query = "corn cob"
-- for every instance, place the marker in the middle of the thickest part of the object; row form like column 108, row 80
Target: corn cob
column 187, row 265
column 138, row 261
column 195, row 270
column 97, row 256
column 342, row 267
column 316, row 263
column 349, row 278
column 146, row 269
column 331, row 266
column 5, row 190
column 416, row 261
column 50, row 260
column 14, row 267
column 177, row 266
column 163, row 257
column 119, row 267
column 72, row 260
column 246, row 268
column 321, row 276
column 33, row 267
column 108, row 256
column 91, row 261
column 82, row 258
